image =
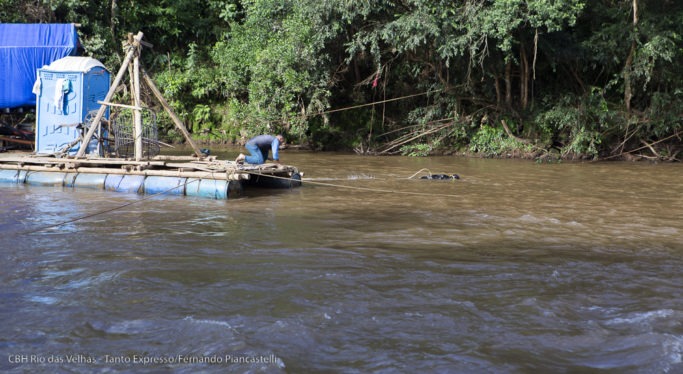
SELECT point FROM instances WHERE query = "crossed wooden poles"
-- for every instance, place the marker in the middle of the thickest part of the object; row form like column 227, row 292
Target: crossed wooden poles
column 134, row 54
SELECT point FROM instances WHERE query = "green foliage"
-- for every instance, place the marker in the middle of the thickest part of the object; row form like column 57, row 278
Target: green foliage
column 417, row 150
column 18, row 11
column 492, row 141
column 271, row 63
column 487, row 140
column 201, row 117
column 560, row 69
column 580, row 124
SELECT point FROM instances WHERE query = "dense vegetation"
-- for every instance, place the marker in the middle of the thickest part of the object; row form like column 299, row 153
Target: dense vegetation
column 543, row 78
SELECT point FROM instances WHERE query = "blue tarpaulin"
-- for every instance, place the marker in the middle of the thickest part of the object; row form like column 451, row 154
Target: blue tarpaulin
column 24, row 48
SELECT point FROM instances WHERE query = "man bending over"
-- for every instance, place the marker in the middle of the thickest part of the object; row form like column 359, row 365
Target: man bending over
column 259, row 147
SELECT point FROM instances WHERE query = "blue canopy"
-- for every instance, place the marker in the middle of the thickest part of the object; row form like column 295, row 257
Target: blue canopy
column 25, row 47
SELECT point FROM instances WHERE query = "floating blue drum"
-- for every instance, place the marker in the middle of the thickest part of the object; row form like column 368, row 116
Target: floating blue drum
column 45, row 178
column 165, row 185
column 213, row 188
column 12, row 176
column 69, row 179
column 149, row 185
column 124, row 183
column 87, row 180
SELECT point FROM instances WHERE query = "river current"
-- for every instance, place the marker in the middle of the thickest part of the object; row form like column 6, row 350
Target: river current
column 517, row 267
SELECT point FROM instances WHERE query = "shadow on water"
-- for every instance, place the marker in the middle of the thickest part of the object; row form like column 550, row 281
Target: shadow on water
column 516, row 267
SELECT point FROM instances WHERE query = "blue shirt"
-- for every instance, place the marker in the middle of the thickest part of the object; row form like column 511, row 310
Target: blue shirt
column 265, row 143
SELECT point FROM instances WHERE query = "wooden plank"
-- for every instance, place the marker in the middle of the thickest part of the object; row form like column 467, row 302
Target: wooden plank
column 137, row 121
column 98, row 161
column 15, row 140
column 195, row 168
column 207, row 166
column 120, row 105
column 179, row 124
column 192, row 166
column 232, row 175
column 182, row 158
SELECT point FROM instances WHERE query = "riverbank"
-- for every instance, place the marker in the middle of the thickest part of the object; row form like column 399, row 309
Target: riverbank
column 536, row 154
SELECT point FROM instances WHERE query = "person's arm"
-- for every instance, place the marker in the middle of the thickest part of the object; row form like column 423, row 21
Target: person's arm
column 276, row 147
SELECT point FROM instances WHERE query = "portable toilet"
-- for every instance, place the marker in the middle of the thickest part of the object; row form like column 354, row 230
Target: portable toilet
column 68, row 91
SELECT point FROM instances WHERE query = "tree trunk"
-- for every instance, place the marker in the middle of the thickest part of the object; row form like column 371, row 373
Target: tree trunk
column 496, row 84
column 508, row 84
column 523, row 78
column 628, row 90
column 112, row 19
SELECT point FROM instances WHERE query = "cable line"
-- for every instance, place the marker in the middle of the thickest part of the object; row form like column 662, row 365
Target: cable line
column 377, row 102
column 148, row 197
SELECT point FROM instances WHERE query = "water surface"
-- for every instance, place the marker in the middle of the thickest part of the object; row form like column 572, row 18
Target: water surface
column 515, row 268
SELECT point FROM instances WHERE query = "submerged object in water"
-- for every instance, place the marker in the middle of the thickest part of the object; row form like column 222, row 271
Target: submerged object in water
column 440, row 176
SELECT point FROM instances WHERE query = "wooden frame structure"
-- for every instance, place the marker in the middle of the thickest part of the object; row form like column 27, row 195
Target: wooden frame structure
column 19, row 168
column 134, row 46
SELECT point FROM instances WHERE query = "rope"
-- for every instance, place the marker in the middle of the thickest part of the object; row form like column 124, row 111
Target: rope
column 359, row 188
column 147, row 197
column 420, row 171
column 103, row 211
column 383, row 190
column 376, row 102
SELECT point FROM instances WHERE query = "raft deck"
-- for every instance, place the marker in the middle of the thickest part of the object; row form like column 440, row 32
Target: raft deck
column 186, row 175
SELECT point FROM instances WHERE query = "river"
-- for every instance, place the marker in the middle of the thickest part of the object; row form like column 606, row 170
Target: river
column 517, row 267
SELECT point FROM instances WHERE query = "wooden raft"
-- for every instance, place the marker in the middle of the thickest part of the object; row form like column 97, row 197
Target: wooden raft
column 167, row 166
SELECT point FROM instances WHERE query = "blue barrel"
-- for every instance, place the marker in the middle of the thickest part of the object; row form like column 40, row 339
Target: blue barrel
column 88, row 180
column 124, row 183
column 155, row 185
column 213, row 188
column 69, row 179
column 12, row 176
column 45, row 178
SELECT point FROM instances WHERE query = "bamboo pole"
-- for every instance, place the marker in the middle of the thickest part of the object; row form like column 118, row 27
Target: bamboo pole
column 137, row 113
column 131, row 84
column 181, row 158
column 120, row 105
column 222, row 175
column 14, row 140
column 176, row 120
column 100, row 113
column 59, row 161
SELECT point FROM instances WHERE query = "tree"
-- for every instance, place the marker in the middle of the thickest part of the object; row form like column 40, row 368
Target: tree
column 417, row 73
column 270, row 67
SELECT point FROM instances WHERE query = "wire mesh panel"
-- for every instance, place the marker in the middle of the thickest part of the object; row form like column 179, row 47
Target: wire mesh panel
column 122, row 125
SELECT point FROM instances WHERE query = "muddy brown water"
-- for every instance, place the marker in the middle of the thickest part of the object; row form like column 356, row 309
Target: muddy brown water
column 516, row 267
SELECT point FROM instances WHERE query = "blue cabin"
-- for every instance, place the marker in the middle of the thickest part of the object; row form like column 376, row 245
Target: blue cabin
column 68, row 91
